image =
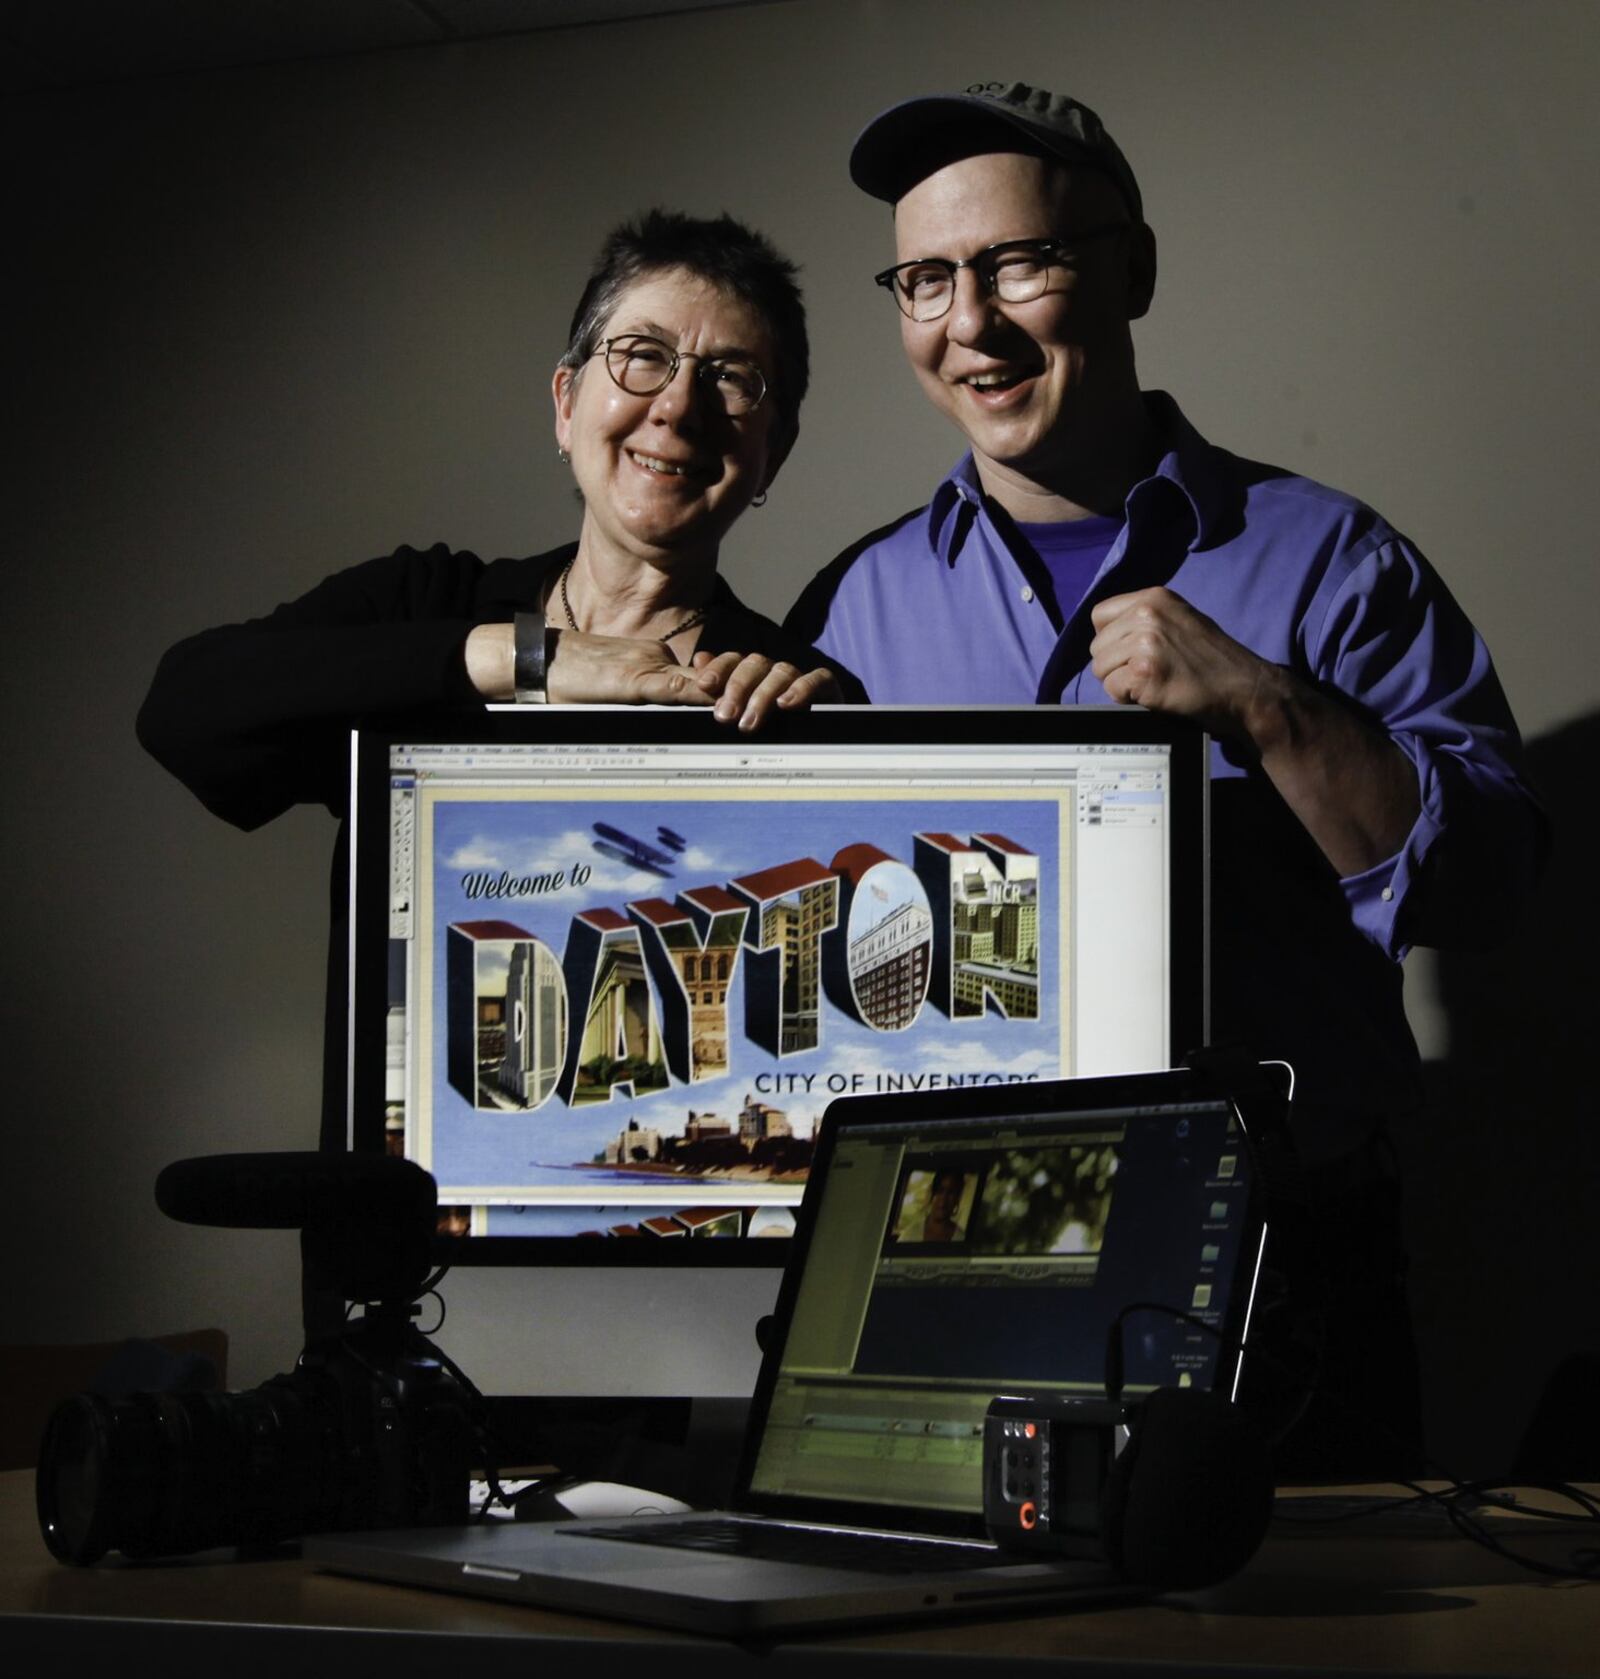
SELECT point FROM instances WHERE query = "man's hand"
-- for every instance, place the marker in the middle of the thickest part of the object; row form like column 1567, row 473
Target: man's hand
column 746, row 686
column 1153, row 649
column 1352, row 787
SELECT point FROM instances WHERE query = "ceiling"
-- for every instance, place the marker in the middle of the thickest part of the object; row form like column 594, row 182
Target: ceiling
column 53, row 44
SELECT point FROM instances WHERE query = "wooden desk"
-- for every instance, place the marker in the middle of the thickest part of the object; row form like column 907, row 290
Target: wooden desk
column 1308, row 1605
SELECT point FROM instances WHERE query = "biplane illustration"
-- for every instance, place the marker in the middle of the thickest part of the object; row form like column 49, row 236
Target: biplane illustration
column 629, row 848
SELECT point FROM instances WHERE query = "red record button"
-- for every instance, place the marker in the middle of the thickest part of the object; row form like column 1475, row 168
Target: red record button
column 1028, row 1515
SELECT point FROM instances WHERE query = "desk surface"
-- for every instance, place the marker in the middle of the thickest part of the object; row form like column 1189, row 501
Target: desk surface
column 1311, row 1603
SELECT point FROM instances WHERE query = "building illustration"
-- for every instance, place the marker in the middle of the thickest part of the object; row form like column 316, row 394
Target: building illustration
column 759, row 1120
column 692, row 950
column 876, row 969
column 757, row 1142
column 889, row 967
column 506, row 1003
column 620, row 1046
column 985, row 899
column 683, row 1221
column 532, row 1024
column 792, row 906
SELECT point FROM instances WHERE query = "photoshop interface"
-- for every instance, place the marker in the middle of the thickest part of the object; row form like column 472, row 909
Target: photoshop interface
column 1100, row 880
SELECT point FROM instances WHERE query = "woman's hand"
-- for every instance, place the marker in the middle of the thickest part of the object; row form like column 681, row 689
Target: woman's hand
column 746, row 686
column 586, row 670
column 589, row 669
column 619, row 670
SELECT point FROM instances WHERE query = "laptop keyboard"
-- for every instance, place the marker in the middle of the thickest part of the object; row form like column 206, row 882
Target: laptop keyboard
column 866, row 1553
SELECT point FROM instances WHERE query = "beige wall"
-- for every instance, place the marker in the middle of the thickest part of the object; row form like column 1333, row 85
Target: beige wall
column 276, row 321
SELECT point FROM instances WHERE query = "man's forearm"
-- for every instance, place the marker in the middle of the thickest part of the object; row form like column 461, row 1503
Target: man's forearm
column 1351, row 787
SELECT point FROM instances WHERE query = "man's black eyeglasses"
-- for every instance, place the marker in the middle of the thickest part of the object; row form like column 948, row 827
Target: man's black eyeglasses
column 1015, row 272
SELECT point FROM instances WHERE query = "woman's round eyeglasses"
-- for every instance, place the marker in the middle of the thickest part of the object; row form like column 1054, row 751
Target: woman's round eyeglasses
column 1015, row 272
column 642, row 366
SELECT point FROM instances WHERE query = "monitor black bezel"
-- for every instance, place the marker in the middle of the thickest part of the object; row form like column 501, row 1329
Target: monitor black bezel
column 597, row 726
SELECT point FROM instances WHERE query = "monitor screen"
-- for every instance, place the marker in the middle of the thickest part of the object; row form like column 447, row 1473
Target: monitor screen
column 610, row 965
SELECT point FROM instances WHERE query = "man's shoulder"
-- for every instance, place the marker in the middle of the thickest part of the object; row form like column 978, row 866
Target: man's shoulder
column 1264, row 492
column 810, row 612
column 1278, row 484
column 1237, row 496
column 896, row 537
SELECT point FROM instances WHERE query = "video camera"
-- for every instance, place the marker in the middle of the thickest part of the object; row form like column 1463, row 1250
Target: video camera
column 374, row 1427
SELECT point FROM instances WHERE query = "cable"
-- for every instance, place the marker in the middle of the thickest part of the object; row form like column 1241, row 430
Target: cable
column 1307, row 1386
column 1585, row 1563
column 1457, row 1497
column 444, row 1310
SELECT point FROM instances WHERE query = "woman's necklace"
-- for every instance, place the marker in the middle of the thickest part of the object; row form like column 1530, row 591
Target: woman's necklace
column 689, row 623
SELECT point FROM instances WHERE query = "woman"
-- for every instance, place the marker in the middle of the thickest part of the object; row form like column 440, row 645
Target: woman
column 677, row 402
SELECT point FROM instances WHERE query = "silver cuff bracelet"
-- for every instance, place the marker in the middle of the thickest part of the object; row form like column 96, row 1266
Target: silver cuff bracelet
column 529, row 662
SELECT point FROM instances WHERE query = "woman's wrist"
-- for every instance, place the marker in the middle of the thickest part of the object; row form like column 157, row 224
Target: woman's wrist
column 490, row 662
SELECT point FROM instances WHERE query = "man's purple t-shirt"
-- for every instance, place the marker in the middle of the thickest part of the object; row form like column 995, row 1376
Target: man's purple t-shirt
column 1073, row 551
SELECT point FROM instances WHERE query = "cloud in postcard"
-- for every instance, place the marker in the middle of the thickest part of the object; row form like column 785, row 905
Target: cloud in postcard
column 946, row 1056
column 477, row 853
column 551, row 854
column 609, row 877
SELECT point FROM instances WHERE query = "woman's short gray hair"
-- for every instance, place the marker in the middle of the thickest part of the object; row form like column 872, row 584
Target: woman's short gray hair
column 726, row 254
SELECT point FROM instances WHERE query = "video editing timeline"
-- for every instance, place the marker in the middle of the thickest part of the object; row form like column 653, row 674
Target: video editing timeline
column 633, row 1088
column 946, row 1267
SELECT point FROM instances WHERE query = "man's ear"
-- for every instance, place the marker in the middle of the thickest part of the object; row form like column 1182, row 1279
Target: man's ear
column 1141, row 271
column 563, row 388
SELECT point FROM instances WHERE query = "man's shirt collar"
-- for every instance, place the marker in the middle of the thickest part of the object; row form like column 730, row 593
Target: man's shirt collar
column 1188, row 463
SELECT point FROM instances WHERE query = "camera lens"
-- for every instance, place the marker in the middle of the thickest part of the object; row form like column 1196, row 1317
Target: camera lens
column 163, row 1474
column 365, row 1433
column 69, row 1487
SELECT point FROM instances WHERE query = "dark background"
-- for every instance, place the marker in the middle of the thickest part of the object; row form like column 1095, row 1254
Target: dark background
column 270, row 318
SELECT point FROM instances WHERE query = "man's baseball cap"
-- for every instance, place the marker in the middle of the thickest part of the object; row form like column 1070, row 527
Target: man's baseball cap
column 910, row 141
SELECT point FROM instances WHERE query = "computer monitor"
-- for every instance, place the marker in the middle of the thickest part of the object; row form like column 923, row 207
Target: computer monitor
column 610, row 964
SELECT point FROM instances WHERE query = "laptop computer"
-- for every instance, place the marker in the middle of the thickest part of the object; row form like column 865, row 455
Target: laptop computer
column 953, row 1245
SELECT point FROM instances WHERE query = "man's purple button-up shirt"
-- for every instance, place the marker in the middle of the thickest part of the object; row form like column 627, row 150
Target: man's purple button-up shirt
column 944, row 608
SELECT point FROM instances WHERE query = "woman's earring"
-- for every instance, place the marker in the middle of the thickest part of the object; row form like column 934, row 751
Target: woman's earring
column 760, row 500
column 562, row 455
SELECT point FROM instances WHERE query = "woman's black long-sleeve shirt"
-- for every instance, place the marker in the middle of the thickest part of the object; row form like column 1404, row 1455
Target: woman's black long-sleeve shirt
column 255, row 717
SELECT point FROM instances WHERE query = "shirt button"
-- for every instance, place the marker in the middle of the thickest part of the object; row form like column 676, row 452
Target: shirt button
column 1027, row 593
column 1387, row 894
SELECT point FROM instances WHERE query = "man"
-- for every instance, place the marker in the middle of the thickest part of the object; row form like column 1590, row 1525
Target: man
column 1092, row 547
column 943, row 1222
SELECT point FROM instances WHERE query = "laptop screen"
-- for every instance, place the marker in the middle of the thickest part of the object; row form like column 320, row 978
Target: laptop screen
column 951, row 1258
